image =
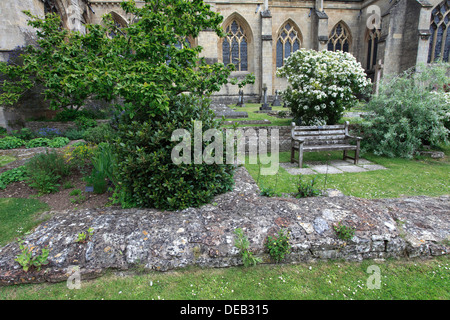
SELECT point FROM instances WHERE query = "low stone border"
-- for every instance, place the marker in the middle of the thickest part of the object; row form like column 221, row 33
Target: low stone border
column 161, row 240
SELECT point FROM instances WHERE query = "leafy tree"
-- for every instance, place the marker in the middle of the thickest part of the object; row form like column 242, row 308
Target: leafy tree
column 150, row 66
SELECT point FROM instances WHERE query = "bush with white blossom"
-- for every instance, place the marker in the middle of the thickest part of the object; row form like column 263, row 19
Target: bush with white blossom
column 322, row 85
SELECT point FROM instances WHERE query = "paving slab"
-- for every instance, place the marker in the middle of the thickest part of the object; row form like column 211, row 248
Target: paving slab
column 353, row 168
column 324, row 169
column 293, row 169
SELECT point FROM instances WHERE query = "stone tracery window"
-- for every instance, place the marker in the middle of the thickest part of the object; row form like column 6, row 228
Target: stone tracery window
column 235, row 46
column 440, row 36
column 373, row 37
column 340, row 38
column 288, row 41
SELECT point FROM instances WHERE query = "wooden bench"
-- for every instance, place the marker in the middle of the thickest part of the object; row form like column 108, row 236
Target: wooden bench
column 322, row 138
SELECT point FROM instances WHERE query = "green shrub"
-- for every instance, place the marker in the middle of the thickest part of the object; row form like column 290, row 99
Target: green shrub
column 12, row 175
column 24, row 134
column 37, row 142
column 98, row 134
column 406, row 114
column 58, row 142
column 145, row 169
column 9, row 142
column 84, row 123
column 322, row 85
column 45, row 170
column 74, row 134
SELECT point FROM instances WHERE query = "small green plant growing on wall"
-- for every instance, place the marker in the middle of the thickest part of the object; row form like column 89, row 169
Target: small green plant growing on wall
column 278, row 246
column 344, row 232
column 241, row 242
column 84, row 237
column 27, row 260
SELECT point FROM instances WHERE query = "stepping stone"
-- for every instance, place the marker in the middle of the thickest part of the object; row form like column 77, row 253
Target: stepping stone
column 293, row 169
column 325, row 169
column 337, row 163
column 353, row 168
column 373, row 167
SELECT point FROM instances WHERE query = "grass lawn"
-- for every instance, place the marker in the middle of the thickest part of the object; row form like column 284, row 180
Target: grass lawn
column 402, row 280
column 424, row 176
column 250, row 108
column 17, row 216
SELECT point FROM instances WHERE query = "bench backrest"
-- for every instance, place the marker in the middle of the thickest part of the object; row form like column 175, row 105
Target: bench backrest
column 318, row 135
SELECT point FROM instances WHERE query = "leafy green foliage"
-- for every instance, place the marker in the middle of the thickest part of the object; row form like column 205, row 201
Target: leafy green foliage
column 145, row 66
column 344, row 232
column 9, row 142
column 84, row 123
column 27, row 260
column 144, row 165
column 58, row 142
column 278, row 247
column 12, row 175
column 45, row 170
column 98, row 134
column 306, row 189
column 24, row 134
column 241, row 242
column 84, row 237
column 74, row 134
column 37, row 142
column 410, row 111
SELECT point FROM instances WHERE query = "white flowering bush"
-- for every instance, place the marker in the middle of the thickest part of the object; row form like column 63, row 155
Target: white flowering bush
column 322, row 84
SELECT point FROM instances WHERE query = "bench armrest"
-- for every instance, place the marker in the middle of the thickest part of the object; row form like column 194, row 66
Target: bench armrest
column 352, row 137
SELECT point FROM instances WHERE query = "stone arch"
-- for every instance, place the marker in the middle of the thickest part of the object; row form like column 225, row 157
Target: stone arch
column 119, row 19
column 289, row 39
column 340, row 37
column 237, row 46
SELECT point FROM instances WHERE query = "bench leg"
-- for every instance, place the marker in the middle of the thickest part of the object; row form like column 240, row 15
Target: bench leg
column 345, row 155
column 357, row 152
column 300, row 156
column 292, row 152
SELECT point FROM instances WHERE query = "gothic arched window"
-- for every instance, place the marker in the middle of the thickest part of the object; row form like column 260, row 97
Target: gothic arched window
column 373, row 36
column 235, row 46
column 440, row 36
column 340, row 38
column 288, row 41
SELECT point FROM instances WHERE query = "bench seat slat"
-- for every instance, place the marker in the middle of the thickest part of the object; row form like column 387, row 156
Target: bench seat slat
column 318, row 133
column 325, row 127
column 327, row 147
column 314, row 139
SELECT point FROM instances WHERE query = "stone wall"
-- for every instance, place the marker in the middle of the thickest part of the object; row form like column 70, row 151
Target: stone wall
column 163, row 240
column 61, row 126
column 266, row 132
